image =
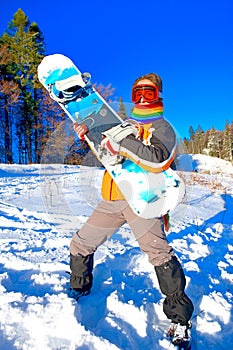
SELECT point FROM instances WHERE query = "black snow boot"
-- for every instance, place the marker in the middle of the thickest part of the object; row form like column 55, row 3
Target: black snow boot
column 81, row 274
column 177, row 306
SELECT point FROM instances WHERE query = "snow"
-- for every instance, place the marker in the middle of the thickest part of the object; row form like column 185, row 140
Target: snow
column 41, row 206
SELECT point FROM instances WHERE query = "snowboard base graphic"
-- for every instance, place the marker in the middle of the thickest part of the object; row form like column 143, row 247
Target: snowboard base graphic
column 148, row 194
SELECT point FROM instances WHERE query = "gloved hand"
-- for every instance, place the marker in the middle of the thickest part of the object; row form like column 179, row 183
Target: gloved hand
column 113, row 136
column 110, row 145
column 121, row 131
column 80, row 130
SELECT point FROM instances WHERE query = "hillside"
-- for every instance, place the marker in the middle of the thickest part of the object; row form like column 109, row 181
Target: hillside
column 41, row 207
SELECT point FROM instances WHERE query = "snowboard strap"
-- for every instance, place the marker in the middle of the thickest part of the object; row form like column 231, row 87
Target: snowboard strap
column 71, row 91
column 75, row 80
column 69, row 83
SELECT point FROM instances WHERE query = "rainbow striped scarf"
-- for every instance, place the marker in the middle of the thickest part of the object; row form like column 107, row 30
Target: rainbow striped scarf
column 147, row 113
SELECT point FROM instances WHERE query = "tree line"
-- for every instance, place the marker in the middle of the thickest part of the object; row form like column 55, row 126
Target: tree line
column 212, row 142
column 28, row 116
column 30, row 121
column 34, row 128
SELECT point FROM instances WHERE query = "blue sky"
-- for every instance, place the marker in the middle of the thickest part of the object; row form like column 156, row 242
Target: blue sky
column 188, row 43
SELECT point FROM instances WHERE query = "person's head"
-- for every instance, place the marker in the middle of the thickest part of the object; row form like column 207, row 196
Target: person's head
column 147, row 89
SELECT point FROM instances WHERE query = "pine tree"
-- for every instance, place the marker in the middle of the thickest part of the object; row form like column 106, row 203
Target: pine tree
column 199, row 140
column 122, row 110
column 228, row 142
column 213, row 143
column 24, row 41
column 190, row 144
column 9, row 95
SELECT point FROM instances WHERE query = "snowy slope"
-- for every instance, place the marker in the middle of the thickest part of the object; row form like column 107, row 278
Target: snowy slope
column 41, row 207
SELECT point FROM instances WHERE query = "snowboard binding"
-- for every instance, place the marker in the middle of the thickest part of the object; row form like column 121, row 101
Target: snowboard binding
column 73, row 88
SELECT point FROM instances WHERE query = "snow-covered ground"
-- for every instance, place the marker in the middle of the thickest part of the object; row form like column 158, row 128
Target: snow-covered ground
column 40, row 209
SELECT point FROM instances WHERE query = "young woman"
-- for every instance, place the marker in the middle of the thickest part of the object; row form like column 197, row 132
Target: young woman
column 153, row 147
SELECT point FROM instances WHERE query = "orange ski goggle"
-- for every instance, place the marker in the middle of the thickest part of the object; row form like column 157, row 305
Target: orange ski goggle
column 150, row 93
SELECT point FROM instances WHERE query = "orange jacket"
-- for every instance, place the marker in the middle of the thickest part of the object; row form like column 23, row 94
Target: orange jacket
column 110, row 191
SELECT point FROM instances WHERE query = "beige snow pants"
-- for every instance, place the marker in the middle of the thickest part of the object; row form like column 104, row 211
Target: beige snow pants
column 108, row 217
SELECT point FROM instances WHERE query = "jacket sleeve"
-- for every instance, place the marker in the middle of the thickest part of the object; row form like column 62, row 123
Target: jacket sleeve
column 156, row 157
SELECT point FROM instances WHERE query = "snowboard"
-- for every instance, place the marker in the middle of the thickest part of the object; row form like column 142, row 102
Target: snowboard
column 149, row 194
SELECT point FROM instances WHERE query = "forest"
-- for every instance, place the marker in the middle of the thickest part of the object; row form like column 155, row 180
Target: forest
column 35, row 129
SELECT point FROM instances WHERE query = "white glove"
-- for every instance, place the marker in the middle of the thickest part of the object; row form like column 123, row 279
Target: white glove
column 110, row 145
column 120, row 132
